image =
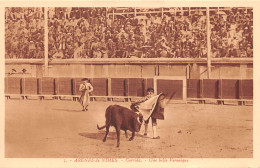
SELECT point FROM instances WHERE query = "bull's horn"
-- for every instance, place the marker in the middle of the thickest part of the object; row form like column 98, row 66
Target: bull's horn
column 139, row 113
column 138, row 120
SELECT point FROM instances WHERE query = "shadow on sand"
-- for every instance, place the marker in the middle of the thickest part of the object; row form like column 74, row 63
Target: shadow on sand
column 99, row 135
column 111, row 135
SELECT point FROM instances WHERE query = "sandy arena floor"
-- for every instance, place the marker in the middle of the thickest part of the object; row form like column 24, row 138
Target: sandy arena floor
column 59, row 129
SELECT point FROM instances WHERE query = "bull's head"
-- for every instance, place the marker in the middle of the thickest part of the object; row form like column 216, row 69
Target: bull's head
column 140, row 118
column 138, row 122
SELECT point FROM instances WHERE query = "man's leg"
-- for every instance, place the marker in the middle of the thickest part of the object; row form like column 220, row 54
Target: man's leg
column 146, row 127
column 154, row 126
column 83, row 108
column 86, row 108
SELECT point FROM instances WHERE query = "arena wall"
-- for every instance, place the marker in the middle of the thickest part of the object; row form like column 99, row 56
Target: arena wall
column 229, row 80
column 174, row 88
column 132, row 68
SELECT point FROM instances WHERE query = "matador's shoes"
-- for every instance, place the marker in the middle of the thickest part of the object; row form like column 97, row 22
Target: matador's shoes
column 158, row 137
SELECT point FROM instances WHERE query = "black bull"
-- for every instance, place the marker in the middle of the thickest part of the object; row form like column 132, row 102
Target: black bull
column 125, row 119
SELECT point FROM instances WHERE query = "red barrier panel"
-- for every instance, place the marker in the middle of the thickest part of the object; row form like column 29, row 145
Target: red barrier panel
column 196, row 88
column 76, row 84
column 118, row 87
column 46, row 86
column 100, row 86
column 134, row 87
column 171, row 88
column 30, row 86
column 246, row 89
column 229, row 89
column 63, row 86
column 148, row 83
column 13, row 85
column 193, row 88
column 210, row 88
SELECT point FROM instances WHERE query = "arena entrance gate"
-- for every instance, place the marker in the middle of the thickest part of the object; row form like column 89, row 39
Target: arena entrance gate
column 174, row 87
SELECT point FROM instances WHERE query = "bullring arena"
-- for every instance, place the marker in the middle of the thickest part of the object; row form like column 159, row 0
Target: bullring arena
column 59, row 129
column 200, row 57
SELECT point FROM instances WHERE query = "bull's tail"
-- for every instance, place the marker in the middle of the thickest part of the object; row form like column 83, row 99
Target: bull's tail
column 100, row 128
column 108, row 118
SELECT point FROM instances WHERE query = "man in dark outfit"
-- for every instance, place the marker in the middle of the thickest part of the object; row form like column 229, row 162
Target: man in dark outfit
column 157, row 113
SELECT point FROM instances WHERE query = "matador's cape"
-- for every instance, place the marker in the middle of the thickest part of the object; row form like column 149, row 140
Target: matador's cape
column 153, row 107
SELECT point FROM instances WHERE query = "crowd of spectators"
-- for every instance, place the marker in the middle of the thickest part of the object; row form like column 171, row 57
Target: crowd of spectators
column 105, row 33
column 91, row 33
column 74, row 32
column 232, row 33
column 24, row 32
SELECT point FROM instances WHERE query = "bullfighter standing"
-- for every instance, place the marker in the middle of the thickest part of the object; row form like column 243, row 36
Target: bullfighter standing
column 85, row 87
column 147, row 105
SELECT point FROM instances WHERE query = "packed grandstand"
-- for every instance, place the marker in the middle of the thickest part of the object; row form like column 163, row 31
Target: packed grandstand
column 75, row 32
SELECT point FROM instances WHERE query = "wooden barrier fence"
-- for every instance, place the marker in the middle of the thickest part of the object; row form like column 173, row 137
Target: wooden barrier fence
column 201, row 90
